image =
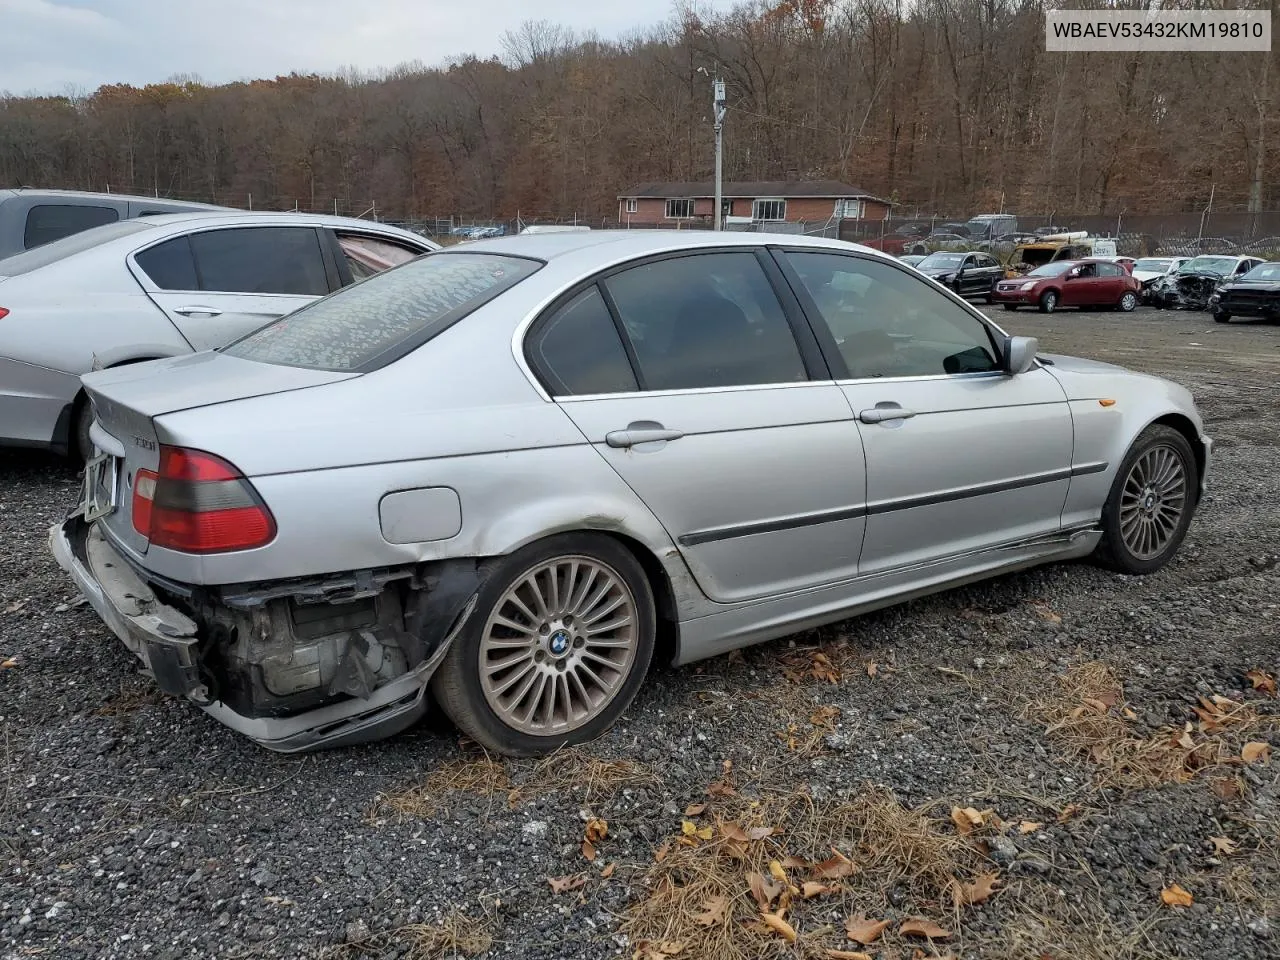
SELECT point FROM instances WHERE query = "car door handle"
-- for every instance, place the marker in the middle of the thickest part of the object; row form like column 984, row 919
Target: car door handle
column 883, row 414
column 202, row 311
column 643, row 432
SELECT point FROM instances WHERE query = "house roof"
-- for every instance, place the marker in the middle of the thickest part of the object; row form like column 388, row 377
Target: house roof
column 822, row 189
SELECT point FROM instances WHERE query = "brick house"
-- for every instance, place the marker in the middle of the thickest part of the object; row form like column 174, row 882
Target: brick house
column 671, row 204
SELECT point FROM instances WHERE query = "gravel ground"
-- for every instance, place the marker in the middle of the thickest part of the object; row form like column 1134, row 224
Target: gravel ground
column 132, row 825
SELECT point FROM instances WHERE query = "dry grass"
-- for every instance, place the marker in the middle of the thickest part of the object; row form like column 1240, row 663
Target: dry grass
column 570, row 771
column 130, row 698
column 1089, row 717
column 458, row 935
column 700, row 893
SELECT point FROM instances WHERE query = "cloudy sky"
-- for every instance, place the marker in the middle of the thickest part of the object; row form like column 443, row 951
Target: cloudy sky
column 51, row 46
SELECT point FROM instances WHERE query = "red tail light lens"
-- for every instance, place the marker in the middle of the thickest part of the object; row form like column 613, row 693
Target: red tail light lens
column 3, row 313
column 199, row 503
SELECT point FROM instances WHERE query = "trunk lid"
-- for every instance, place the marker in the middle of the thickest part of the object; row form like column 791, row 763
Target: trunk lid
column 126, row 401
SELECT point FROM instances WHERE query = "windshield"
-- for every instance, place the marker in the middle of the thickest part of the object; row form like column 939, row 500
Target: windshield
column 942, row 260
column 1219, row 265
column 377, row 321
column 1152, row 265
column 1264, row 271
column 56, row 250
column 1054, row 269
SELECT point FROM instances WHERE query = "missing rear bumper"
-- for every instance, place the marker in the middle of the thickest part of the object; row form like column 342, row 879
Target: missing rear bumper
column 294, row 666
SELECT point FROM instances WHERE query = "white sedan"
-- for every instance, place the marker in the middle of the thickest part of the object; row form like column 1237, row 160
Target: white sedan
column 161, row 286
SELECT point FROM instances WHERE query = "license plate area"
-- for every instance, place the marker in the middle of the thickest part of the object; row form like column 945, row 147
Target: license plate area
column 101, row 486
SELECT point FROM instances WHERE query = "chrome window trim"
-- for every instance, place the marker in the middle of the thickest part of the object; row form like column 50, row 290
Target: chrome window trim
column 691, row 391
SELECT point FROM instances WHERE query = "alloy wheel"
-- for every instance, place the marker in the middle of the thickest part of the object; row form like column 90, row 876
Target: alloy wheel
column 1153, row 501
column 558, row 645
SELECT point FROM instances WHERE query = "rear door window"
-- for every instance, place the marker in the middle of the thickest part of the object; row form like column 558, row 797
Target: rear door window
column 577, row 349
column 264, row 260
column 47, row 222
column 369, row 325
column 708, row 320
column 170, row 265
column 366, row 256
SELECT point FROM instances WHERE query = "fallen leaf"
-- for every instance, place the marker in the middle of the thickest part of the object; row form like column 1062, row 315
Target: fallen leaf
column 834, row 954
column 1046, row 613
column 565, row 884
column 979, row 891
column 1128, row 714
column 759, row 833
column 864, row 931
column 764, row 891
column 688, row 827
column 733, row 831
column 1262, row 681
column 705, row 833
column 1174, row 896
column 661, row 853
column 834, row 867
column 596, row 830
column 588, row 850
column 824, row 716
column 872, row 669
column 776, row 871
column 1223, row 846
column 1029, row 826
column 966, row 820
column 721, row 789
column 796, row 863
column 607, row 872
column 1185, row 740
column 1097, row 705
column 9, row 663
column 1069, row 811
column 812, row 888
column 694, row 809
column 1255, row 752
column 923, row 927
column 648, row 950
column 779, row 926
column 713, row 911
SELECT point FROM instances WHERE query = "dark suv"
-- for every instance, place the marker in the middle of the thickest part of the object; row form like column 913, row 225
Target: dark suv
column 30, row 217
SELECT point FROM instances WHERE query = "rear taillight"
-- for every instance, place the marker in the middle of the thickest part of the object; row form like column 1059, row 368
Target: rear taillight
column 199, row 503
column 3, row 313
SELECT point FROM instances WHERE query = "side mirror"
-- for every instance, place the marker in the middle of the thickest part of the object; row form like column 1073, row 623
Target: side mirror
column 1020, row 354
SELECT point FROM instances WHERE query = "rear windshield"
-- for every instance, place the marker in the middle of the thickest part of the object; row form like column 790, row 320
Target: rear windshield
column 376, row 321
column 56, row 250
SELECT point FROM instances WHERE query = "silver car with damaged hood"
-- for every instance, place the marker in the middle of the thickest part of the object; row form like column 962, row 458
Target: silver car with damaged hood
column 511, row 474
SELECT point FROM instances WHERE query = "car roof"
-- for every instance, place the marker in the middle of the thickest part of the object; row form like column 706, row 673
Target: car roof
column 642, row 242
column 55, row 193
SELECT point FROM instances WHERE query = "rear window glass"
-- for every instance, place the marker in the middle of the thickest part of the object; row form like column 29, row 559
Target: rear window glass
column 370, row 324
column 170, row 265
column 53, row 221
column 68, row 246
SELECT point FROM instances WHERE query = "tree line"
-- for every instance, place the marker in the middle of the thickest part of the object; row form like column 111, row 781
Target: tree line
column 946, row 106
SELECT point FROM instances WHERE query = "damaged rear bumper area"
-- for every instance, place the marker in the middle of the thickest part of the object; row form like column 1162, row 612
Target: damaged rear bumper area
column 294, row 665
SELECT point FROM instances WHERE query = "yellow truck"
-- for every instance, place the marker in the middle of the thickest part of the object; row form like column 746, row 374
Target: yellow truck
column 1059, row 246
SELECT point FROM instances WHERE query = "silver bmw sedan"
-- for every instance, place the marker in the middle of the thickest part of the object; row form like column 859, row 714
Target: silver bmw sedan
column 509, row 474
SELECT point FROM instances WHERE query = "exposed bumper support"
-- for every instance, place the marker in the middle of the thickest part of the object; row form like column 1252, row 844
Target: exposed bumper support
column 167, row 642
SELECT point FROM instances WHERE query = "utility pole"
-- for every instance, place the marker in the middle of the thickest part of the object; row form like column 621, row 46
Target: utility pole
column 718, row 86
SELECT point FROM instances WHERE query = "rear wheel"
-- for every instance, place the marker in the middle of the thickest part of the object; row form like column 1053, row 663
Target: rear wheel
column 1049, row 301
column 1151, row 503
column 1128, row 302
column 555, row 650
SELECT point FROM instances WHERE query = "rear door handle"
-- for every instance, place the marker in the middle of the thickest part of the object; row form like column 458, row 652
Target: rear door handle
column 884, row 414
column 202, row 311
column 643, row 431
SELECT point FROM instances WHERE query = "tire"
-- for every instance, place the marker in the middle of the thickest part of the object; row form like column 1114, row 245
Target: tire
column 1048, row 301
column 82, row 446
column 1011, row 306
column 1125, row 514
column 476, row 701
column 1128, row 301
column 1220, row 317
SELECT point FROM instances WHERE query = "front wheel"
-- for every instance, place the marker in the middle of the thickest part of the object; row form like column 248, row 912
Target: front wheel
column 1220, row 317
column 1151, row 502
column 1128, row 302
column 555, row 650
column 1049, row 302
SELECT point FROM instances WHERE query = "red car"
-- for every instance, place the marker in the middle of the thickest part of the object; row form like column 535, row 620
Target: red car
column 1070, row 283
